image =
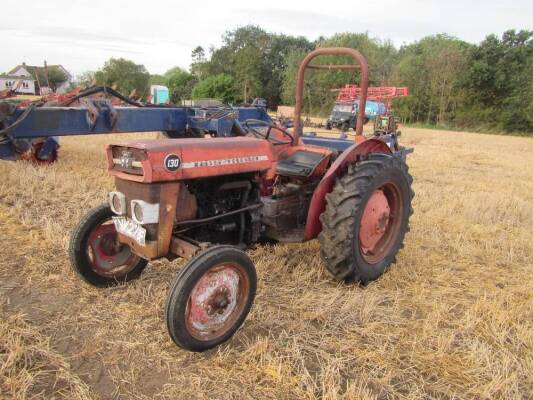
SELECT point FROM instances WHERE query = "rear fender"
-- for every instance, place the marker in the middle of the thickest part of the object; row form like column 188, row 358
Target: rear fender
column 318, row 202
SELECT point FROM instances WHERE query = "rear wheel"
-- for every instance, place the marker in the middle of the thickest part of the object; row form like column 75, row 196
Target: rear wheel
column 35, row 158
column 30, row 149
column 366, row 218
column 96, row 254
column 210, row 298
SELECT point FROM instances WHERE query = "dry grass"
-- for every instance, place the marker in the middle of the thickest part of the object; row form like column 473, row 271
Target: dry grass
column 452, row 319
column 30, row 368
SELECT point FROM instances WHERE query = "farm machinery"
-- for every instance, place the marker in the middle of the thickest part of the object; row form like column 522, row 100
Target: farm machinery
column 208, row 199
column 378, row 107
column 29, row 130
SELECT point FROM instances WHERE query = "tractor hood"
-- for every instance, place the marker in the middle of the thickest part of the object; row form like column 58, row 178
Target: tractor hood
column 155, row 160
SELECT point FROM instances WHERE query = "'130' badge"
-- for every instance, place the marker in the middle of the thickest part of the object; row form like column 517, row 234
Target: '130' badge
column 172, row 162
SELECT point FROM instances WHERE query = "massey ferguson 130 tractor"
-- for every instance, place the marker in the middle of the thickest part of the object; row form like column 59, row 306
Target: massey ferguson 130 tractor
column 208, row 199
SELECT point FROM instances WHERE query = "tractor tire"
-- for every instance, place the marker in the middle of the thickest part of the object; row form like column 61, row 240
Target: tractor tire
column 95, row 254
column 366, row 218
column 345, row 127
column 34, row 158
column 210, row 298
column 188, row 134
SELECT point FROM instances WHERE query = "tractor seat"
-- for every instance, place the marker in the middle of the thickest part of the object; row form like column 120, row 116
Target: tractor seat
column 301, row 163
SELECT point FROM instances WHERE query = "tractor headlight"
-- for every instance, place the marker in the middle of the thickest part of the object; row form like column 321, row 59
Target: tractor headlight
column 117, row 202
column 144, row 213
column 137, row 212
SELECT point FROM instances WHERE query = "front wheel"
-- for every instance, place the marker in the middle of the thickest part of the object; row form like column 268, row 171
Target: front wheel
column 366, row 218
column 97, row 256
column 210, row 298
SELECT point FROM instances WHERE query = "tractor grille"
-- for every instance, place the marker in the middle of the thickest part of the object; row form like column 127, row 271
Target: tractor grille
column 128, row 160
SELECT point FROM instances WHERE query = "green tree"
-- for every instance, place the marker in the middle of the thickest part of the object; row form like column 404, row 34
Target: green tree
column 294, row 58
column 180, row 84
column 451, row 82
column 276, row 62
column 84, row 79
column 125, row 74
column 248, row 73
column 318, row 94
column 246, row 46
column 255, row 59
column 432, row 69
column 157, row 79
column 221, row 87
column 198, row 62
column 56, row 77
column 499, row 81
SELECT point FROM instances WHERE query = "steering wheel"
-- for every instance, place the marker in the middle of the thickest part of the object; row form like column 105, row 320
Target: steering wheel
column 248, row 124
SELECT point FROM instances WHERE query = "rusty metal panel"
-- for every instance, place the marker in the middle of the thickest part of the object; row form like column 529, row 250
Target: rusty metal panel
column 149, row 251
column 182, row 248
column 167, row 215
column 158, row 234
column 195, row 158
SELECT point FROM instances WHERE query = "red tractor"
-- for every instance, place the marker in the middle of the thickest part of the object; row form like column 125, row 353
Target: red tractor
column 206, row 200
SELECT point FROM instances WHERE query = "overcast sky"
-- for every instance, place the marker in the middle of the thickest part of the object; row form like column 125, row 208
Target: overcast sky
column 82, row 35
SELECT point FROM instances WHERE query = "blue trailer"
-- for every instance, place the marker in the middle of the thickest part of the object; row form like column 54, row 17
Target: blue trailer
column 32, row 132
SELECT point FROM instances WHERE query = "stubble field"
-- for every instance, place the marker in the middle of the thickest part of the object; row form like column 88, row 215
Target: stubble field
column 453, row 318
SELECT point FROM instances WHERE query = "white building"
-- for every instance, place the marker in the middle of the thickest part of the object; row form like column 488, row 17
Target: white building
column 34, row 79
column 19, row 84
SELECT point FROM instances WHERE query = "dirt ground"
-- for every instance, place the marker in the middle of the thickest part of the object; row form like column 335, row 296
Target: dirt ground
column 453, row 318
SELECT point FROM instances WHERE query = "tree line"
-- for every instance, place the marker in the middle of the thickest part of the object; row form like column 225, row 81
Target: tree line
column 452, row 83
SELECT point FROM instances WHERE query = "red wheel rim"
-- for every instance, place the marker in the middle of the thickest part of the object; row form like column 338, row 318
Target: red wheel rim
column 107, row 256
column 217, row 301
column 380, row 223
column 36, row 148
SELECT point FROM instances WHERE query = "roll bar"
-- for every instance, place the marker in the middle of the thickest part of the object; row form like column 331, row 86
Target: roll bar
column 332, row 51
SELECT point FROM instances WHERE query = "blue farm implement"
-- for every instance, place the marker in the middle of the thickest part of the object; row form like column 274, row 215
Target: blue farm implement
column 31, row 132
column 207, row 199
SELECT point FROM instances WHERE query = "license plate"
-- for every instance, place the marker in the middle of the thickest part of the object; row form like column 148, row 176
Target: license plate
column 131, row 229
